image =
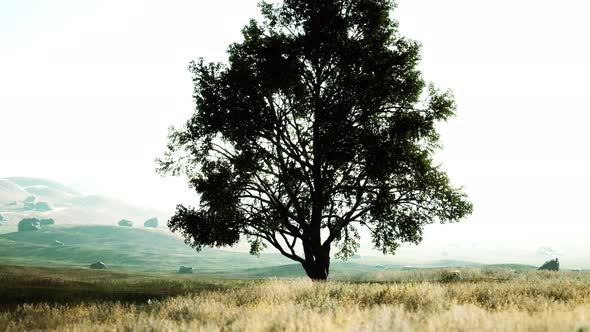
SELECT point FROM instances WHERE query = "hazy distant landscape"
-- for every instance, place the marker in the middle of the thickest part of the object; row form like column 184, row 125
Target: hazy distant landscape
column 46, row 282
column 87, row 227
column 66, row 205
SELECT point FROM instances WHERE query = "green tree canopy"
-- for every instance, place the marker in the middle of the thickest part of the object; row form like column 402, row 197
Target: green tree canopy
column 320, row 124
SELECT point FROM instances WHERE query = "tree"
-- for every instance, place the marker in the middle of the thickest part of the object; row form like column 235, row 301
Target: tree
column 318, row 125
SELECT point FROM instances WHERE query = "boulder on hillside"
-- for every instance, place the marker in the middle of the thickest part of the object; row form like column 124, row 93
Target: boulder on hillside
column 29, row 224
column 29, row 203
column 152, row 223
column 30, row 199
column 58, row 243
column 28, row 206
column 43, row 206
column 185, row 270
column 98, row 266
column 552, row 265
column 45, row 222
column 125, row 223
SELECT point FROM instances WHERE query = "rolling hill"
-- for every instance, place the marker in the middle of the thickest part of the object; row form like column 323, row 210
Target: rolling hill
column 146, row 250
column 10, row 192
column 149, row 250
column 121, row 248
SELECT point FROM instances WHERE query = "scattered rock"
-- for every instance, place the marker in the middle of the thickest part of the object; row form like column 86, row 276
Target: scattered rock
column 43, row 206
column 185, row 270
column 58, row 243
column 552, row 265
column 29, row 203
column 29, row 224
column 98, row 266
column 13, row 203
column 576, row 269
column 45, row 222
column 33, row 224
column 152, row 223
column 30, row 199
column 125, row 223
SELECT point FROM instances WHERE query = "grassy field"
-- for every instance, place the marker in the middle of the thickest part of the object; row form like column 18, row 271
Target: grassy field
column 232, row 291
column 421, row 300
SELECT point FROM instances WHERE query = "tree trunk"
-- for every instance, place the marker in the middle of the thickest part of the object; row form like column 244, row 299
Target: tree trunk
column 319, row 268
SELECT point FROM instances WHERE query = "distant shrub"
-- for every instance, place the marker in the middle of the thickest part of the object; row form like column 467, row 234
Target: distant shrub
column 448, row 276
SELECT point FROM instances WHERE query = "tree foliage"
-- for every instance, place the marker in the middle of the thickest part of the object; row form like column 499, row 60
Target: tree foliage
column 319, row 124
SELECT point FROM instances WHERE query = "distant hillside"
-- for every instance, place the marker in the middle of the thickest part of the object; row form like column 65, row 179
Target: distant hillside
column 121, row 247
column 147, row 250
column 10, row 191
column 515, row 267
column 67, row 205
column 337, row 269
column 26, row 183
column 454, row 263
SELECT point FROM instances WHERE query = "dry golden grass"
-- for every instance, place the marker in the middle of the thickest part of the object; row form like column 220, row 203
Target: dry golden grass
column 480, row 301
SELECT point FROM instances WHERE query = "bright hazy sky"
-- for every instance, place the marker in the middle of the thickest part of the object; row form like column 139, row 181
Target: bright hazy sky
column 88, row 89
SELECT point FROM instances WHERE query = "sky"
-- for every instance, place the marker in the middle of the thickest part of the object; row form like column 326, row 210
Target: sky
column 89, row 88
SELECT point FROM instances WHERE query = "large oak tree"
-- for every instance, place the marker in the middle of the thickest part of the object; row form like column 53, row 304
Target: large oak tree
column 319, row 124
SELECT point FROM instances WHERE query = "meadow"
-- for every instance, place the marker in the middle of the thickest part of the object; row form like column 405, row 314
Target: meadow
column 480, row 299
